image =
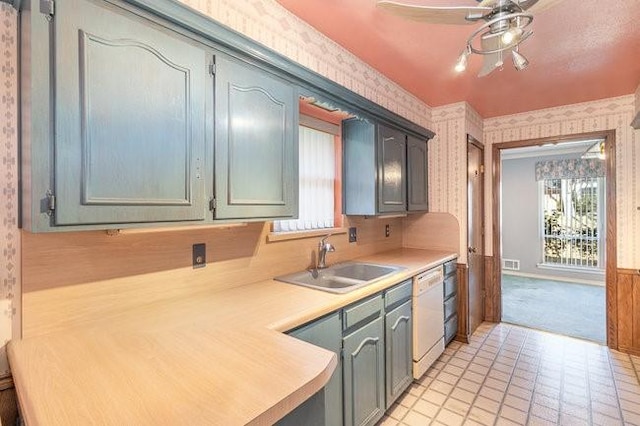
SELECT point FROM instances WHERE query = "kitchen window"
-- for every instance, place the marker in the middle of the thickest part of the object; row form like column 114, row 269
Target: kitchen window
column 320, row 205
column 572, row 213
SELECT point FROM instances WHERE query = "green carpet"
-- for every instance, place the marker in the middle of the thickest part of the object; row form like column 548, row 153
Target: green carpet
column 576, row 310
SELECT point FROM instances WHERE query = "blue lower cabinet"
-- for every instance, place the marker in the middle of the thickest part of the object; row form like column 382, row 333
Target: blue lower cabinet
column 326, row 333
column 399, row 339
column 364, row 374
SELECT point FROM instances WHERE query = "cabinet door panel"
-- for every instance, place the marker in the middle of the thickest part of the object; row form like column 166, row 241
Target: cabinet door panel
column 417, row 174
column 130, row 119
column 398, row 336
column 256, row 143
column 364, row 375
column 392, row 159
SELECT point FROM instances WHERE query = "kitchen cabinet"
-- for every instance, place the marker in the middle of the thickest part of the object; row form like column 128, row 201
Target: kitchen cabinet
column 374, row 337
column 398, row 336
column 364, row 370
column 417, row 181
column 326, row 333
column 120, row 117
column 117, row 146
column 450, row 301
column 256, row 146
column 378, row 175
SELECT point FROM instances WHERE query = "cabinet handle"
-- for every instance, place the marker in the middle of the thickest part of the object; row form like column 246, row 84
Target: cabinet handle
column 402, row 318
column 364, row 342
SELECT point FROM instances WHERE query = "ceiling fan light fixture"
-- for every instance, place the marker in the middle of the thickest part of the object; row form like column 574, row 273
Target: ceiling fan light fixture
column 461, row 63
column 519, row 61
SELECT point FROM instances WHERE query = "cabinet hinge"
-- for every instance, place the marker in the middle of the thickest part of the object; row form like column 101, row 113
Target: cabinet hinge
column 51, row 202
column 47, row 7
column 212, row 68
column 213, row 204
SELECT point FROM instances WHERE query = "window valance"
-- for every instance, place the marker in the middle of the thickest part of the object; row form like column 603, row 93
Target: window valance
column 570, row 169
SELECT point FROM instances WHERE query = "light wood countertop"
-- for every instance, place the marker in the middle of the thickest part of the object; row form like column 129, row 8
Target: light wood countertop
column 218, row 357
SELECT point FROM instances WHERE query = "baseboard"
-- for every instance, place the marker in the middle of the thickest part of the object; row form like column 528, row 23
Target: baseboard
column 462, row 338
column 555, row 278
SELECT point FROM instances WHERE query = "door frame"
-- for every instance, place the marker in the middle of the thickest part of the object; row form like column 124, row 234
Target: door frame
column 473, row 141
column 494, row 286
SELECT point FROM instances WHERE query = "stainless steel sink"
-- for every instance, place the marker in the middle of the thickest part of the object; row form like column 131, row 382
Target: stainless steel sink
column 342, row 277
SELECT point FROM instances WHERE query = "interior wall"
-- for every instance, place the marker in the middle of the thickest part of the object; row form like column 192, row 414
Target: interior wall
column 9, row 232
column 267, row 22
column 521, row 219
column 605, row 114
column 448, row 163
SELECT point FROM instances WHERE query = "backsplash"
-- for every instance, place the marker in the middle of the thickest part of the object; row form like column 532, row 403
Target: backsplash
column 75, row 277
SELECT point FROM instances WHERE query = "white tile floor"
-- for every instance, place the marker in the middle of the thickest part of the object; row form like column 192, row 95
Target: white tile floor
column 510, row 375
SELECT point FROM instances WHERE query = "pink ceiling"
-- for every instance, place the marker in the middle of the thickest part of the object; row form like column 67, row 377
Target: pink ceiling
column 581, row 50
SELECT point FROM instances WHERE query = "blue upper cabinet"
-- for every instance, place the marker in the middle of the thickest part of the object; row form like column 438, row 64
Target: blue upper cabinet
column 392, row 170
column 130, row 119
column 384, row 169
column 121, row 112
column 256, row 148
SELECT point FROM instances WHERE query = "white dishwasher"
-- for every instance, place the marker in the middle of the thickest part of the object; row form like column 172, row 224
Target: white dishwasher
column 428, row 320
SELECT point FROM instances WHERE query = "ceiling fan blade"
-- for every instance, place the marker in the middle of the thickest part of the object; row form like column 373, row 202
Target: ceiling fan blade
column 435, row 15
column 487, row 3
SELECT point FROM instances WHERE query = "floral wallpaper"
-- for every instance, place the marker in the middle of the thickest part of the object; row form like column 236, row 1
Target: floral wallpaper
column 9, row 233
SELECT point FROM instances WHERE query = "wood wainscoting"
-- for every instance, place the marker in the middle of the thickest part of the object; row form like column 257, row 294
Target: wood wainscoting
column 492, row 304
column 463, row 303
column 491, row 299
column 628, row 318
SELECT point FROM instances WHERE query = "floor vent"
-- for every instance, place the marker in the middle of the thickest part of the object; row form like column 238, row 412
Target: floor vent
column 510, row 264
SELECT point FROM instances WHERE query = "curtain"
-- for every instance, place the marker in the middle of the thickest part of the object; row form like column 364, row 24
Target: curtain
column 577, row 168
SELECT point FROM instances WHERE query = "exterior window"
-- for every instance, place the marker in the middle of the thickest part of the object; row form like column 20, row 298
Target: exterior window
column 317, row 183
column 572, row 218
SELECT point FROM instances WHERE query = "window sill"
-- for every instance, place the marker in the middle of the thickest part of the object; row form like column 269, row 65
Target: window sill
column 298, row 235
column 583, row 270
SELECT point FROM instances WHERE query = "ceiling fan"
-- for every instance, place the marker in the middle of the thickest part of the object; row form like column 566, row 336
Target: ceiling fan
column 505, row 26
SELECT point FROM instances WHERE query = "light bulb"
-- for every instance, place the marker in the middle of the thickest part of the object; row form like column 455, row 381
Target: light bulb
column 519, row 61
column 461, row 64
column 510, row 36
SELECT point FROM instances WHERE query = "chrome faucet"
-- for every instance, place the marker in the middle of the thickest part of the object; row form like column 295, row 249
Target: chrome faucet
column 323, row 248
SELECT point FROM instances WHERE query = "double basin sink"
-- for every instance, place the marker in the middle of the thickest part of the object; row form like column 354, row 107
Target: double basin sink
column 342, row 277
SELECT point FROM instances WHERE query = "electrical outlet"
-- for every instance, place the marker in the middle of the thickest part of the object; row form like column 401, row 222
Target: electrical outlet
column 199, row 255
column 387, row 230
column 353, row 234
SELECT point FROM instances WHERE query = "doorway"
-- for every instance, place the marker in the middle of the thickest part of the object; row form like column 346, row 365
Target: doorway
column 553, row 217
column 608, row 230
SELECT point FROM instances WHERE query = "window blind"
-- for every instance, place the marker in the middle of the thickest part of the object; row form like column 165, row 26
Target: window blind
column 317, row 176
